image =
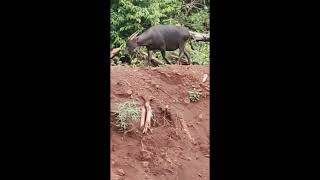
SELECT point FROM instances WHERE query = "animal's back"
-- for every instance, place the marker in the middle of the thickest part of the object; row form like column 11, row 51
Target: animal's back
column 172, row 35
column 171, row 30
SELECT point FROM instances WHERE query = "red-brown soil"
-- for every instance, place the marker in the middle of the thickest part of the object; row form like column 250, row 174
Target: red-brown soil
column 178, row 147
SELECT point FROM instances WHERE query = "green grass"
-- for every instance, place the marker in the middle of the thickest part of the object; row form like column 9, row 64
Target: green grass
column 127, row 113
column 201, row 53
column 194, row 95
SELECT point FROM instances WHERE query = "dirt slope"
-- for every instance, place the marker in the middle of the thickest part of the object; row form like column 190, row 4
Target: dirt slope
column 178, row 147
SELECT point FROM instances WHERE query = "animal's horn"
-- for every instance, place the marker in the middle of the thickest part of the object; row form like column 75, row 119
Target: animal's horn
column 133, row 35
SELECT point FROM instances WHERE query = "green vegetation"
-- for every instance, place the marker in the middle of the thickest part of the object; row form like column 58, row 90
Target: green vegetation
column 194, row 95
column 128, row 16
column 127, row 113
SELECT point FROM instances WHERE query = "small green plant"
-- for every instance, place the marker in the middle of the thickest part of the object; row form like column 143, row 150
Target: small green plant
column 128, row 112
column 194, row 95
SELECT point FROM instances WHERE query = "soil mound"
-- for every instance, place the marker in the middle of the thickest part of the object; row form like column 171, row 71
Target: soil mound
column 178, row 146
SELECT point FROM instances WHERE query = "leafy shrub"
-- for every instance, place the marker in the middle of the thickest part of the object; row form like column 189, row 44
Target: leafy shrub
column 196, row 21
column 201, row 53
column 127, row 113
column 194, row 95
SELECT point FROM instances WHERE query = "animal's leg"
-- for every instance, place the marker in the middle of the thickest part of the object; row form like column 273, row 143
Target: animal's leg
column 188, row 56
column 180, row 56
column 149, row 57
column 182, row 52
column 163, row 53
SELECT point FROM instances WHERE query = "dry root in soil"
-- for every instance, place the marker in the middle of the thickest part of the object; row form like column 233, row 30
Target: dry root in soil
column 143, row 116
column 166, row 114
column 146, row 115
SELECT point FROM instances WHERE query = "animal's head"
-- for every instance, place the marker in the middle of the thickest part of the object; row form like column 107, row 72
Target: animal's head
column 132, row 43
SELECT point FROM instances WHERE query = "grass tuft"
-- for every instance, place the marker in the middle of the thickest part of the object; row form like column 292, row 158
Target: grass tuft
column 128, row 112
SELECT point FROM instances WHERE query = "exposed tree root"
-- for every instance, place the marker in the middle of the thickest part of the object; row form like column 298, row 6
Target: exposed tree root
column 166, row 114
column 148, row 117
column 185, row 128
column 143, row 116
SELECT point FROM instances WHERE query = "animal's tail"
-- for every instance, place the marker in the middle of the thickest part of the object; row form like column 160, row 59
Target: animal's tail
column 190, row 42
column 191, row 39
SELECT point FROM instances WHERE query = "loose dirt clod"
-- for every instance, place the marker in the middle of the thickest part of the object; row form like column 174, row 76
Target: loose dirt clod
column 146, row 155
column 121, row 172
column 200, row 116
column 205, row 76
column 129, row 92
column 145, row 164
column 186, row 100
